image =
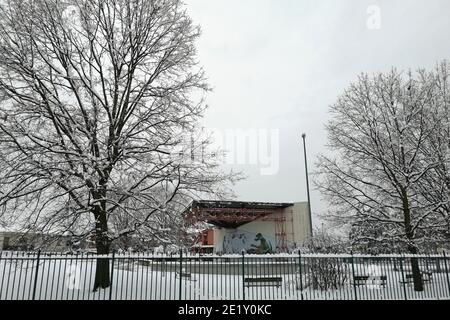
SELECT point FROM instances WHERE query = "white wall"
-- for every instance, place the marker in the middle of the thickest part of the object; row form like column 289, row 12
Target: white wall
column 300, row 220
column 218, row 239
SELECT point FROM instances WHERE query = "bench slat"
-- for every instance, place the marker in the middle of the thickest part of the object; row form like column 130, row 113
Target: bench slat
column 362, row 280
column 268, row 281
column 262, row 279
column 426, row 277
column 184, row 275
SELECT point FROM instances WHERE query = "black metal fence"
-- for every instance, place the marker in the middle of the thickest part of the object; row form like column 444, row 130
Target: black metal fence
column 43, row 276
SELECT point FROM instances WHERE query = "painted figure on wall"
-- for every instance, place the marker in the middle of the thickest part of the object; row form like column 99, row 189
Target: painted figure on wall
column 234, row 242
column 264, row 247
column 237, row 241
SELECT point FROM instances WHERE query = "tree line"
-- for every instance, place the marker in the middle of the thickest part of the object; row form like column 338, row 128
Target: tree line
column 387, row 173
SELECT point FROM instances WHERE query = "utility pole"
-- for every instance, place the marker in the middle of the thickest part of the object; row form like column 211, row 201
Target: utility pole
column 307, row 185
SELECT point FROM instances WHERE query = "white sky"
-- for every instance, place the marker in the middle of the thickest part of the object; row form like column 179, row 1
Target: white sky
column 279, row 64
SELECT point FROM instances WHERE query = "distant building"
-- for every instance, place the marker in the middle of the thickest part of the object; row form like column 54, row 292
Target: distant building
column 21, row 241
column 253, row 227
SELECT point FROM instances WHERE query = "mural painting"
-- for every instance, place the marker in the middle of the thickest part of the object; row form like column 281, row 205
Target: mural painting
column 236, row 241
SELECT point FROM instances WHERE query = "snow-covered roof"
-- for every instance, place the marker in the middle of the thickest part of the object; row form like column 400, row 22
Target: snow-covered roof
column 231, row 214
column 239, row 204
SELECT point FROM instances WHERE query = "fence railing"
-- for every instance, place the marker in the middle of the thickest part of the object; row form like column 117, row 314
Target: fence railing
column 42, row 276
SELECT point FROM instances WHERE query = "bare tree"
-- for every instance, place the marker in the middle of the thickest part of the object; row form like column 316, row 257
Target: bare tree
column 375, row 175
column 98, row 100
column 436, row 184
column 327, row 241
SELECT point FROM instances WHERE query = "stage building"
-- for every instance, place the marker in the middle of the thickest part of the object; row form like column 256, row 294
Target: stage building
column 253, row 227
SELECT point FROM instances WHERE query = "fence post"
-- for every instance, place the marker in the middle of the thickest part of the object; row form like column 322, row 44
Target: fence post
column 1, row 288
column 181, row 274
column 243, row 275
column 403, row 278
column 112, row 275
column 446, row 272
column 300, row 271
column 36, row 274
column 353, row 274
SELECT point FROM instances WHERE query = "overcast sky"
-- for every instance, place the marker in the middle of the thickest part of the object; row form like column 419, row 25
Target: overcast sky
column 279, row 64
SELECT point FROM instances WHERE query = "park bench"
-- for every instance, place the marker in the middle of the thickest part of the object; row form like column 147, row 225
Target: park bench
column 427, row 276
column 263, row 282
column 184, row 274
column 370, row 280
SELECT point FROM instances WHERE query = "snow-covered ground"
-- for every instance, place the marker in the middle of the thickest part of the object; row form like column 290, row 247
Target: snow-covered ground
column 218, row 278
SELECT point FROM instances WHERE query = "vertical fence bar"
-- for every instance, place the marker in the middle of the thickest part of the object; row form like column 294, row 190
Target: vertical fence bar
column 301, row 274
column 15, row 275
column 36, row 274
column 141, row 262
column 215, row 278
column 353, row 274
column 243, row 275
column 4, row 268
column 9, row 274
column 80, row 264
column 403, row 278
column 127, row 268
column 48, row 275
column 434, row 289
column 446, row 273
column 181, row 274
column 188, row 270
column 151, row 279
column 112, row 275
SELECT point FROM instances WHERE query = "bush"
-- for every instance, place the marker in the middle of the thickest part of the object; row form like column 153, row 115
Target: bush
column 326, row 274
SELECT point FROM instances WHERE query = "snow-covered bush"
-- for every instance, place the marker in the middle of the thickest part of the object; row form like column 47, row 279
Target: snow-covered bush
column 326, row 274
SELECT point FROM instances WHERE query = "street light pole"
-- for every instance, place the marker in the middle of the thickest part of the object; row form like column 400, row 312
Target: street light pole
column 307, row 185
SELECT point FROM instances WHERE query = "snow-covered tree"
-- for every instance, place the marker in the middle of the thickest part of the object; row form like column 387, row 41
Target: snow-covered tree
column 327, row 241
column 435, row 186
column 99, row 99
column 163, row 228
column 377, row 167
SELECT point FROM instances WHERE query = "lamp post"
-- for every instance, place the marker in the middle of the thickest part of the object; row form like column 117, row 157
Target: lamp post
column 307, row 185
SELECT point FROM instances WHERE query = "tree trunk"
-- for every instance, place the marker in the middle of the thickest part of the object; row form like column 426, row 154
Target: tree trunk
column 438, row 265
column 417, row 274
column 102, row 277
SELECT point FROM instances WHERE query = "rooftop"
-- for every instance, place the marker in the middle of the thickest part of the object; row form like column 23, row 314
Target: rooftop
column 231, row 214
column 239, row 204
